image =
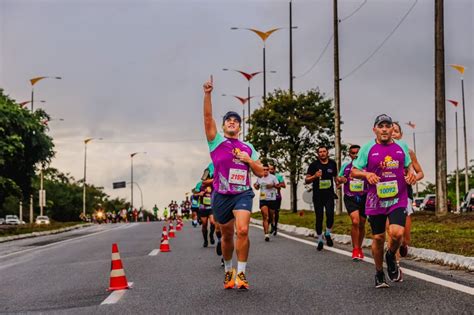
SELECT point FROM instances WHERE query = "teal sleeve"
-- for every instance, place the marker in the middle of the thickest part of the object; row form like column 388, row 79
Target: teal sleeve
column 210, row 167
column 406, row 150
column 363, row 156
column 280, row 178
column 213, row 144
column 198, row 186
column 255, row 156
column 343, row 167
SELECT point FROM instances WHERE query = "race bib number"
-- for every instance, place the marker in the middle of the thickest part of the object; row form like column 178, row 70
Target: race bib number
column 206, row 201
column 238, row 177
column 387, row 189
column 324, row 184
column 356, row 185
column 263, row 195
column 271, row 196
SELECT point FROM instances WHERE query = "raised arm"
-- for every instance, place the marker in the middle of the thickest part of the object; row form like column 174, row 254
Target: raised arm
column 209, row 122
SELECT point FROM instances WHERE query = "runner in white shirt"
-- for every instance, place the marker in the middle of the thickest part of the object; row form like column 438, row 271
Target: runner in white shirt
column 268, row 194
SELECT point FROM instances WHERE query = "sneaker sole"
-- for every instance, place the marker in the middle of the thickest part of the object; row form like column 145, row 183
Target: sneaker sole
column 382, row 286
column 399, row 277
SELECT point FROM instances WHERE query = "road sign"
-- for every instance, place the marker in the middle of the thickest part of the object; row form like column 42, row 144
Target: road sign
column 119, row 185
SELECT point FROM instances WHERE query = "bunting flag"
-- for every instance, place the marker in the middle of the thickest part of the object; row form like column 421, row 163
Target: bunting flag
column 264, row 35
column 34, row 80
column 411, row 124
column 455, row 103
column 24, row 103
column 458, row 68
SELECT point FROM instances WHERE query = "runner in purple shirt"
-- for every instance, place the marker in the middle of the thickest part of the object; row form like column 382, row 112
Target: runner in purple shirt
column 355, row 192
column 233, row 196
column 383, row 163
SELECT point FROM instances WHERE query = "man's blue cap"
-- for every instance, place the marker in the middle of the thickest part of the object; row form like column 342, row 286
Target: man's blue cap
column 232, row 114
column 382, row 118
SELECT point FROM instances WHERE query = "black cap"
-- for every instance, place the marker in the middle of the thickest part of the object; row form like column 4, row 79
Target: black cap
column 232, row 114
column 382, row 118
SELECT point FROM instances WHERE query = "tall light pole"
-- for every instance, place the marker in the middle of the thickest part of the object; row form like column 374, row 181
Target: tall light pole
column 461, row 69
column 263, row 36
column 412, row 125
column 337, row 100
column 42, row 193
column 248, row 77
column 86, row 141
column 35, row 80
column 131, row 176
column 455, row 103
column 291, row 48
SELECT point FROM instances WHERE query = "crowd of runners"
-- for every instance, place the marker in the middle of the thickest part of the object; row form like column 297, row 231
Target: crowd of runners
column 376, row 185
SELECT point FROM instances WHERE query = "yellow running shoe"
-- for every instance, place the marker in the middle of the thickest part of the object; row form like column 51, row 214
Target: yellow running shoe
column 241, row 281
column 229, row 280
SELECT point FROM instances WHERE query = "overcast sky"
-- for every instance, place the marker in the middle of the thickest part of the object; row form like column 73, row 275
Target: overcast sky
column 133, row 72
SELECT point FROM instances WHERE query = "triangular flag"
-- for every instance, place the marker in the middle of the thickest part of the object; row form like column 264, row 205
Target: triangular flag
column 455, row 103
column 458, row 67
column 34, row 80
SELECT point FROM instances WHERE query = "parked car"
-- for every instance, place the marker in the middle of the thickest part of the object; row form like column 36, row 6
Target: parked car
column 467, row 204
column 417, row 201
column 2, row 221
column 12, row 219
column 42, row 219
column 429, row 203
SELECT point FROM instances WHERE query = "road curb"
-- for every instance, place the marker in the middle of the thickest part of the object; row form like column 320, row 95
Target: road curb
column 36, row 234
column 452, row 260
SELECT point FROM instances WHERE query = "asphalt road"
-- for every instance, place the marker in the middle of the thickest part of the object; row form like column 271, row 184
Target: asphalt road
column 69, row 273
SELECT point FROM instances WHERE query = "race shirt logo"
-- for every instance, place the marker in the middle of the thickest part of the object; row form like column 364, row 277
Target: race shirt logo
column 390, row 163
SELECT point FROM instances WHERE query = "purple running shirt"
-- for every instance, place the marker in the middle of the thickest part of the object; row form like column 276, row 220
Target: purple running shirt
column 231, row 176
column 353, row 187
column 388, row 161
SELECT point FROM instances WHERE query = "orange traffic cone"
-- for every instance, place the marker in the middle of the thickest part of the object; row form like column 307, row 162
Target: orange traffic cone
column 118, row 281
column 165, row 244
column 178, row 226
column 171, row 234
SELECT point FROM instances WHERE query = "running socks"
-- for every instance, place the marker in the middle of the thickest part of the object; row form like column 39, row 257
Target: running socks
column 211, row 232
column 320, row 238
column 328, row 232
column 241, row 266
column 227, row 265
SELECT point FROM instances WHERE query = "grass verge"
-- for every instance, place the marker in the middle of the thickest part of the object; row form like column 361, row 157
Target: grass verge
column 451, row 234
column 9, row 230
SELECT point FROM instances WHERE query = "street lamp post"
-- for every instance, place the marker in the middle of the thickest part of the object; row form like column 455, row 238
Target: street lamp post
column 461, row 69
column 131, row 177
column 455, row 103
column 263, row 36
column 33, row 81
column 85, row 173
column 42, row 193
column 141, row 192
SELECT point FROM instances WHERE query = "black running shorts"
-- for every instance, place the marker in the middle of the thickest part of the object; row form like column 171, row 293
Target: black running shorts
column 378, row 222
column 355, row 203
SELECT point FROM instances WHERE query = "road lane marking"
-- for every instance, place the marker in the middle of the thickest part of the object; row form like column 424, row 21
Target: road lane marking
column 60, row 242
column 413, row 273
column 154, row 252
column 115, row 296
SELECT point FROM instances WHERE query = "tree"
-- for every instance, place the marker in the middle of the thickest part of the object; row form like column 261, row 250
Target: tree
column 288, row 128
column 24, row 147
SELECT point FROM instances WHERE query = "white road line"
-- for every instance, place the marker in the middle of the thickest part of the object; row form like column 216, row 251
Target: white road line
column 154, row 252
column 115, row 296
column 57, row 243
column 413, row 273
